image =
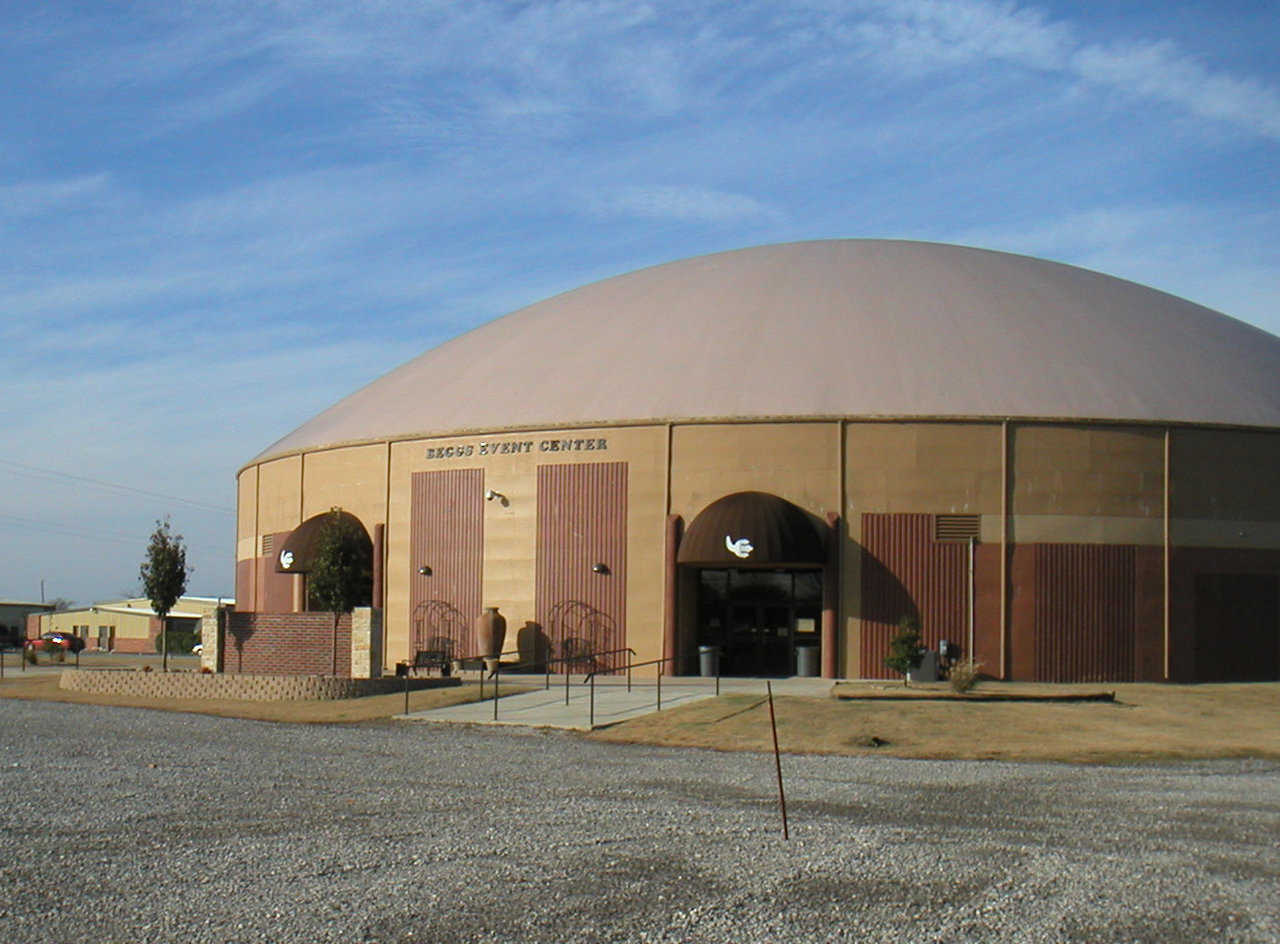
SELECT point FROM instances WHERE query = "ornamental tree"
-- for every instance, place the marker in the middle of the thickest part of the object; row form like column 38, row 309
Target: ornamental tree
column 341, row 575
column 164, row 578
column 905, row 652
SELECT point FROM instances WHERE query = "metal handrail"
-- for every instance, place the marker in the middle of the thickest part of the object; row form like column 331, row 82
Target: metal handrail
column 635, row 665
column 497, row 670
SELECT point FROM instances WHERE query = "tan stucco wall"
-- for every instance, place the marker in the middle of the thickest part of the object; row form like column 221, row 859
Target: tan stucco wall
column 1067, row 483
column 280, row 495
column 353, row 479
column 1087, row 471
column 796, row 461
column 1226, row 475
column 510, row 530
column 951, row 468
column 246, row 513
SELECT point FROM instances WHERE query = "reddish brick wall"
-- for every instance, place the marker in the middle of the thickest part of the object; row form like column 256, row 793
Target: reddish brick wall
column 287, row 644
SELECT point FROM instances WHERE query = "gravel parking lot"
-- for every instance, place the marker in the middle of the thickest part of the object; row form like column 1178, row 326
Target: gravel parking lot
column 128, row 825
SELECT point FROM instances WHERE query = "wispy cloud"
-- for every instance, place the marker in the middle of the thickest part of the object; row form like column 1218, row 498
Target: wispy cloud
column 690, row 204
column 33, row 198
column 1158, row 70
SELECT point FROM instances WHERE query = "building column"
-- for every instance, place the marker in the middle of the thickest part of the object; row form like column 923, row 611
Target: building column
column 366, row 642
column 379, row 542
column 670, row 584
column 831, row 599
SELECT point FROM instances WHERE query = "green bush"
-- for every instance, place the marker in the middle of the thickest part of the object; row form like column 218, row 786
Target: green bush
column 905, row 650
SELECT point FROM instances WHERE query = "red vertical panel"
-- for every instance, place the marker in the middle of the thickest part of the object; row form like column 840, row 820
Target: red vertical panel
column 446, row 534
column 582, row 522
column 905, row 571
column 1084, row 613
column 1023, row 641
column 275, row 590
column 986, row 607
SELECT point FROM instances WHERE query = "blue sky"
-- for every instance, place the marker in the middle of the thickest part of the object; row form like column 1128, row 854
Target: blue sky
column 218, row 218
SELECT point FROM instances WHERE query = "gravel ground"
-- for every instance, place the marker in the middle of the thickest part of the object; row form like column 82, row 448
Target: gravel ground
column 127, row 825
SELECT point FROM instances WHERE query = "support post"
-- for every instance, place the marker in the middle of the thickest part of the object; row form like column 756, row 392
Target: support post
column 671, row 582
column 831, row 599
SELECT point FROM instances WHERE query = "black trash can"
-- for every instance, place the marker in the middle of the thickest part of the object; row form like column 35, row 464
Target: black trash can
column 708, row 661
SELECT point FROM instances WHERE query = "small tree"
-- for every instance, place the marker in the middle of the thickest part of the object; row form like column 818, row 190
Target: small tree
column 341, row 575
column 164, row 577
column 905, row 653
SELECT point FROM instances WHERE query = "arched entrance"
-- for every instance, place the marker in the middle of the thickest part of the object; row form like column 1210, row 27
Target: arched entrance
column 350, row 549
column 758, row 561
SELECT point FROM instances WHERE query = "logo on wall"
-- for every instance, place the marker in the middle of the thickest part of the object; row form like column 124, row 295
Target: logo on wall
column 739, row 548
column 286, row 558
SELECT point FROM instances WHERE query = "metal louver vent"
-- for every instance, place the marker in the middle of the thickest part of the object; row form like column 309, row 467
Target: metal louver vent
column 955, row 527
column 268, row 545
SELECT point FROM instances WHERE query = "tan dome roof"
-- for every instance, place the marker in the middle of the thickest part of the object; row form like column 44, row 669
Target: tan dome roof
column 841, row 328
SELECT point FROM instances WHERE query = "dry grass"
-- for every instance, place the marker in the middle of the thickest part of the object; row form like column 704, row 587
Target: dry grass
column 1145, row 722
column 44, row 687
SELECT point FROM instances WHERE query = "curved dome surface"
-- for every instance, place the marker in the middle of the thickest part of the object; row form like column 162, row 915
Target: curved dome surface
column 839, row 328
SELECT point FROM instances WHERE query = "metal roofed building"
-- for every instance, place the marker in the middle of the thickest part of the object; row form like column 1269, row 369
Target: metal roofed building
column 1071, row 476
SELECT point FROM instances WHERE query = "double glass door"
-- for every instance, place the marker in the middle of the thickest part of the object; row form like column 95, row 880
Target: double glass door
column 758, row 617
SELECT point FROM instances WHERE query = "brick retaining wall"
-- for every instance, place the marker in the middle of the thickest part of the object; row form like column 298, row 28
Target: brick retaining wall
column 235, row 687
column 286, row 644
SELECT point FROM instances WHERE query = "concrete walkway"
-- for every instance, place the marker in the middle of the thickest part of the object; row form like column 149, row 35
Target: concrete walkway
column 546, row 708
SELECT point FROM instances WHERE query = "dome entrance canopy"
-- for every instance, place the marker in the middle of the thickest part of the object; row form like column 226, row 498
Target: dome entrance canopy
column 752, row 529
column 298, row 552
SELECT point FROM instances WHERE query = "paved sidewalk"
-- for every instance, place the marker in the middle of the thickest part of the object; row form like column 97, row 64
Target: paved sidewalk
column 546, row 708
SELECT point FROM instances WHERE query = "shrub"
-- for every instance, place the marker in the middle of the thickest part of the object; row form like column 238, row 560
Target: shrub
column 905, row 651
column 964, row 676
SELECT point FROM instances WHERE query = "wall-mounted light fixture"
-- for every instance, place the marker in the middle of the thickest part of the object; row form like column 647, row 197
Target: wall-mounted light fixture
column 490, row 495
column 424, row 570
column 600, row 568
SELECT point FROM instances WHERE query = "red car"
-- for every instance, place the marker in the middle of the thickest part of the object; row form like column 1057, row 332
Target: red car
column 65, row 640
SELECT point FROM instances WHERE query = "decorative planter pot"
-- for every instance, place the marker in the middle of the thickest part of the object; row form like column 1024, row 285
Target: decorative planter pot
column 491, row 632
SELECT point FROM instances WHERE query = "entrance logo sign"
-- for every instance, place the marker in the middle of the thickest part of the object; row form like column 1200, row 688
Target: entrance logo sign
column 286, row 559
column 739, row 548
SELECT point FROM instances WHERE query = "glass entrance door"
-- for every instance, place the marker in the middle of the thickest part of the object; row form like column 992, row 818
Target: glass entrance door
column 756, row 617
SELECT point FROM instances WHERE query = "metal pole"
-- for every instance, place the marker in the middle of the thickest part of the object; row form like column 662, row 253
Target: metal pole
column 406, row 690
column 659, row 686
column 1, row 663
column 593, row 699
column 777, row 761
column 568, row 667
column 971, row 600
column 497, row 667
column 628, row 676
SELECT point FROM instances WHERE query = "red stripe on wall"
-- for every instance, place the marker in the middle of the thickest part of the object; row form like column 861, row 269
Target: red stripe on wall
column 906, row 572
column 1084, row 613
column 447, row 536
column 582, row 522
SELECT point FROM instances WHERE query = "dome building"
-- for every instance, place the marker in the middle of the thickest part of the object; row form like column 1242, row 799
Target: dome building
column 784, row 450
